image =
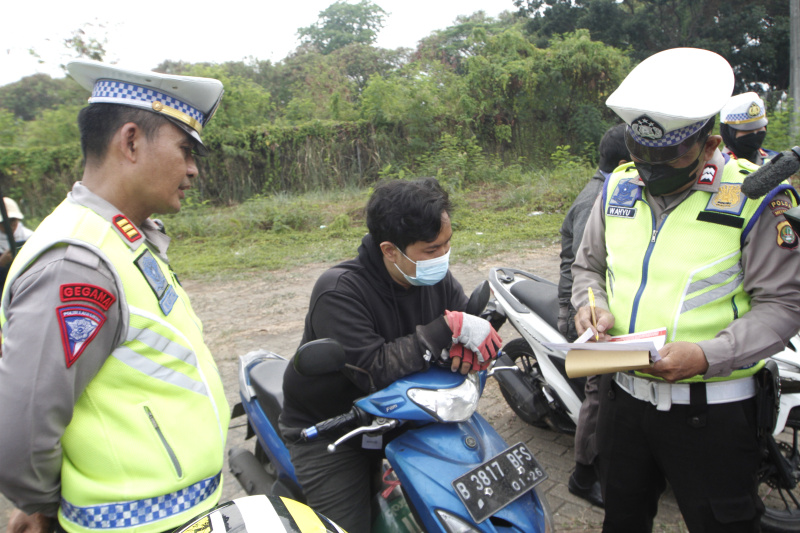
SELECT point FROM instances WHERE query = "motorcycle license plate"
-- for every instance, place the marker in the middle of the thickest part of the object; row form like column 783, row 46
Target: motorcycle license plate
column 499, row 481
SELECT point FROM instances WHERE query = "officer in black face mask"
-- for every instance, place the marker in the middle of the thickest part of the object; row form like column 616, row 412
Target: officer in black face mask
column 672, row 242
column 743, row 126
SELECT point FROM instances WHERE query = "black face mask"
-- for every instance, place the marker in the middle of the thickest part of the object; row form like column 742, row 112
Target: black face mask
column 745, row 146
column 749, row 144
column 664, row 179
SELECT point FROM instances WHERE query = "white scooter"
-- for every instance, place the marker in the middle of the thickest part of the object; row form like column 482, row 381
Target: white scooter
column 534, row 382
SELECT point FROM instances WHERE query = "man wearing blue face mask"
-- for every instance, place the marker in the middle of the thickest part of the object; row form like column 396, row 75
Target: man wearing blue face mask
column 396, row 309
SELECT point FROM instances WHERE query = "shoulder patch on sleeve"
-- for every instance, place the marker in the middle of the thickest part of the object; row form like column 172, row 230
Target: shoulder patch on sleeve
column 79, row 325
column 787, row 238
column 88, row 293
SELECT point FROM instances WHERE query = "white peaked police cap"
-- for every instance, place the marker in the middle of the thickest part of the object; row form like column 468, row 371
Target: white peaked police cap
column 187, row 101
column 12, row 209
column 668, row 98
column 744, row 111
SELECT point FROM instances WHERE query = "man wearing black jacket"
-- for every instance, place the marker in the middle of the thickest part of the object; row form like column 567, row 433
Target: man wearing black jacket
column 395, row 309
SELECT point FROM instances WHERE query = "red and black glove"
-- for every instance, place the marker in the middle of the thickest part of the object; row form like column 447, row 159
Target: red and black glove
column 475, row 334
column 463, row 360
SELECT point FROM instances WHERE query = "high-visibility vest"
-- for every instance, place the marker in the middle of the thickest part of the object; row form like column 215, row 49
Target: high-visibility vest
column 144, row 449
column 683, row 272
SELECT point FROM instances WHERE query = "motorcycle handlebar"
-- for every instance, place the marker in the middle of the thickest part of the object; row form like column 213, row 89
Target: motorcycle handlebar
column 311, row 433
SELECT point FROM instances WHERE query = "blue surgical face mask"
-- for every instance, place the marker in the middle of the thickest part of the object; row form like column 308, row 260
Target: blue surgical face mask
column 429, row 271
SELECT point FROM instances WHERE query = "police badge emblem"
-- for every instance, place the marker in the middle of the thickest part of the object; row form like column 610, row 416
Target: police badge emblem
column 787, row 238
column 79, row 324
column 647, row 128
column 164, row 292
column 728, row 199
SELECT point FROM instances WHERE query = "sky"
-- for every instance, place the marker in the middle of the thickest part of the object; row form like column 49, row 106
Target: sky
column 143, row 35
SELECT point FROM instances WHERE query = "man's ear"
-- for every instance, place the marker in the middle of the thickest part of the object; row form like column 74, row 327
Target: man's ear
column 389, row 251
column 128, row 141
column 712, row 143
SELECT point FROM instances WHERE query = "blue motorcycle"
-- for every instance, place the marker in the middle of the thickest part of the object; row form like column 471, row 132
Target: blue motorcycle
column 452, row 472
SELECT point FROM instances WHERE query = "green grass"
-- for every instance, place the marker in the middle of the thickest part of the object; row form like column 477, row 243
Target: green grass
column 284, row 231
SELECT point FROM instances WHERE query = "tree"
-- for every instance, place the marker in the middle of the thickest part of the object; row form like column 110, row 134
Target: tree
column 342, row 24
column 464, row 39
column 752, row 36
column 28, row 97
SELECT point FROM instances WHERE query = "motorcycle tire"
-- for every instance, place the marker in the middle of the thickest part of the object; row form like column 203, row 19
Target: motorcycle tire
column 522, row 355
column 782, row 506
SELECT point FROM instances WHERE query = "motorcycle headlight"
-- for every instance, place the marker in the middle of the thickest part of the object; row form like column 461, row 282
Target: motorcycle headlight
column 454, row 524
column 449, row 405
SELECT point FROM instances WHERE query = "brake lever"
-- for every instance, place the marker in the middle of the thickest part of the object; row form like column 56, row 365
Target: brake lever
column 376, row 425
column 491, row 372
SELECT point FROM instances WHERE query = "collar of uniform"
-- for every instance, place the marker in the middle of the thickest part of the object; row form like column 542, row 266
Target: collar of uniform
column 703, row 183
column 711, row 176
column 84, row 196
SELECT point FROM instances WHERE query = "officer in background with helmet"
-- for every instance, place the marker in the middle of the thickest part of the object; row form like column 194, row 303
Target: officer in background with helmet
column 743, row 126
column 673, row 242
column 19, row 233
column 113, row 415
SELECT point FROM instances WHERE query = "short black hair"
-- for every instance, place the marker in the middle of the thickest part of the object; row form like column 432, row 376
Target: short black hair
column 612, row 148
column 99, row 122
column 404, row 212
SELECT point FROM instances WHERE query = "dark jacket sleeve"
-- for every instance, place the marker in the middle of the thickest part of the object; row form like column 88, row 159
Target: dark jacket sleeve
column 348, row 320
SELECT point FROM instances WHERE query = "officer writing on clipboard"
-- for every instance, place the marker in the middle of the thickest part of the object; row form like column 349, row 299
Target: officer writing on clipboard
column 673, row 242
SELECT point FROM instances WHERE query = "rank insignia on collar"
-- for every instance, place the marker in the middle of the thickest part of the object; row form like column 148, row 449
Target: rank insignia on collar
column 79, row 325
column 708, row 175
column 126, row 227
column 159, row 284
column 89, row 293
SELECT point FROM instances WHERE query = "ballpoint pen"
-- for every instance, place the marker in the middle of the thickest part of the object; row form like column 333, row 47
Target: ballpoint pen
column 594, row 314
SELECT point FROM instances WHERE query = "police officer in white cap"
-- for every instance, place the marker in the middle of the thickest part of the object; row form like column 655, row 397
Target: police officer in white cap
column 113, row 414
column 743, row 126
column 672, row 242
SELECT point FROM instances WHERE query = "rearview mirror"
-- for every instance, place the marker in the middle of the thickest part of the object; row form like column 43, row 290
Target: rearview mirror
column 322, row 356
column 479, row 298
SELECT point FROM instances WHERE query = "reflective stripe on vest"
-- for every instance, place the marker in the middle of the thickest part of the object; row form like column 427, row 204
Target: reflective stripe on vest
column 119, row 515
column 684, row 271
column 152, row 423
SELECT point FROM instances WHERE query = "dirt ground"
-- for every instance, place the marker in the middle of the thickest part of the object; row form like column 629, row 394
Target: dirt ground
column 267, row 311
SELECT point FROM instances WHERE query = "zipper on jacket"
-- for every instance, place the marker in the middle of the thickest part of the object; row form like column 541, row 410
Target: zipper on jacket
column 645, row 268
column 170, row 451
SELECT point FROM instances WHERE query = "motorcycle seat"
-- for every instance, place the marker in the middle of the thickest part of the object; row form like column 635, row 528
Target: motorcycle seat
column 541, row 297
column 267, row 381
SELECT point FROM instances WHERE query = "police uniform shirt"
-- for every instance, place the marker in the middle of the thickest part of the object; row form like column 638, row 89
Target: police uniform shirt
column 770, row 277
column 37, row 389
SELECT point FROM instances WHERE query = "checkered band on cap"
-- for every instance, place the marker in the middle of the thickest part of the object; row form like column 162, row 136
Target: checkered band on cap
column 135, row 513
column 120, row 92
column 671, row 138
column 742, row 117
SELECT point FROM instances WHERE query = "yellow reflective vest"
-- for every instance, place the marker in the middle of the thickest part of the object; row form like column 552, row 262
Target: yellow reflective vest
column 144, row 449
column 683, row 272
